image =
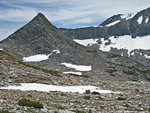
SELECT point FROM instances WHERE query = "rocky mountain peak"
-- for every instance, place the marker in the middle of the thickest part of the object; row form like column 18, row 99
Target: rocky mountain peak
column 41, row 20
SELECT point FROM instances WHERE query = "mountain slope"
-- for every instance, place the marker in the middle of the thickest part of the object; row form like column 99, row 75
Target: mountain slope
column 13, row 72
column 123, row 32
column 38, row 36
column 42, row 44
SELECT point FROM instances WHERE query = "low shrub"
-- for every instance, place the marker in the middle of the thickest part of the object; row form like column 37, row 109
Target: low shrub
column 95, row 93
column 4, row 111
column 121, row 98
column 78, row 111
column 54, row 73
column 26, row 102
column 111, row 70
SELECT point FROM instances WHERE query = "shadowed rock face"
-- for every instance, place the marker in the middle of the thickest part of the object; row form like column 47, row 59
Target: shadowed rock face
column 39, row 36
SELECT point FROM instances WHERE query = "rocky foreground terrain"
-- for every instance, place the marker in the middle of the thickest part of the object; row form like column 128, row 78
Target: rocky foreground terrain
column 134, row 97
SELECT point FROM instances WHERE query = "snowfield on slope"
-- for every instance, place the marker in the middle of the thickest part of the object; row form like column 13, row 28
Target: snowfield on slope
column 1, row 49
column 71, row 72
column 113, row 23
column 140, row 19
column 122, row 42
column 128, row 16
column 39, row 57
column 86, row 42
column 126, row 42
column 48, row 88
column 78, row 67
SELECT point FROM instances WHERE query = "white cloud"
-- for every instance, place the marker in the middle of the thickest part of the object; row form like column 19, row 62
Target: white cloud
column 17, row 15
column 82, row 20
column 71, row 9
column 68, row 12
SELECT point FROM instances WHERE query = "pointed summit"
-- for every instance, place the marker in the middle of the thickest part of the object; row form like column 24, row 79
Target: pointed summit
column 39, row 36
column 40, row 19
column 40, row 15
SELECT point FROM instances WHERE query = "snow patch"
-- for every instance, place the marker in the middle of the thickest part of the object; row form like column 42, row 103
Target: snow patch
column 146, row 56
column 123, row 16
column 128, row 16
column 113, row 23
column 71, row 72
column 86, row 42
column 131, row 16
column 48, row 88
column 126, row 42
column 122, row 42
column 140, row 19
column 131, row 53
column 77, row 67
column 56, row 51
column 35, row 58
column 122, row 54
column 147, row 19
column 39, row 57
column 1, row 49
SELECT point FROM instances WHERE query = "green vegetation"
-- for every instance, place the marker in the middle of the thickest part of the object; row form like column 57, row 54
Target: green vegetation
column 112, row 75
column 91, row 51
column 85, row 76
column 121, row 98
column 29, row 95
column 26, row 102
column 95, row 93
column 4, row 111
column 54, row 73
column 130, row 72
column 78, row 111
column 111, row 70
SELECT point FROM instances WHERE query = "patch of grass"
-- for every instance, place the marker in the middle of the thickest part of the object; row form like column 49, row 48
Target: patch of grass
column 130, row 72
column 4, row 111
column 54, row 73
column 29, row 95
column 145, row 71
column 78, row 111
column 112, row 74
column 91, row 51
column 85, row 76
column 121, row 98
column 26, row 102
column 111, row 70
column 95, row 93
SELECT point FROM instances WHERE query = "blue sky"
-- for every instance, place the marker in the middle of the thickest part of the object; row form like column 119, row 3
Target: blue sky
column 63, row 13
